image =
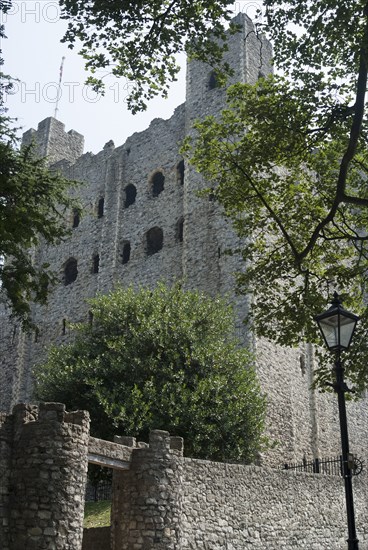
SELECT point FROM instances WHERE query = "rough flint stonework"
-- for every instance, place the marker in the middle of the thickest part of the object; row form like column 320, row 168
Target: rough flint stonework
column 43, row 467
column 146, row 509
column 161, row 500
column 233, row 507
column 165, row 501
column 110, row 245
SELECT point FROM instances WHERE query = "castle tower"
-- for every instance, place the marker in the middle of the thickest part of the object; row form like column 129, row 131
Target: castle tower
column 43, row 462
column 209, row 235
column 143, row 221
column 53, row 142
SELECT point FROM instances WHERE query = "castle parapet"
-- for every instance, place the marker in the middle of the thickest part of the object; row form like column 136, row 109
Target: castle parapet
column 53, row 142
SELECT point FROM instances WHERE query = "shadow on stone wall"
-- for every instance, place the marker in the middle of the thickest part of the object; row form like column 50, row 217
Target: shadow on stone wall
column 97, row 538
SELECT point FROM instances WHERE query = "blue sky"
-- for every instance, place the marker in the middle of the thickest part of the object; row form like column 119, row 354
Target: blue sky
column 33, row 54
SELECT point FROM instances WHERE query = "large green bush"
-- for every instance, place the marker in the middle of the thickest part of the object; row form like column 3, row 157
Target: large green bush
column 161, row 359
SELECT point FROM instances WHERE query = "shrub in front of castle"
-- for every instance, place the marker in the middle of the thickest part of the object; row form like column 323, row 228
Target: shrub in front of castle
column 164, row 359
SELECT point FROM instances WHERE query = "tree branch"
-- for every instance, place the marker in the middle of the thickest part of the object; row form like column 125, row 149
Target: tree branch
column 355, row 131
column 159, row 22
column 268, row 207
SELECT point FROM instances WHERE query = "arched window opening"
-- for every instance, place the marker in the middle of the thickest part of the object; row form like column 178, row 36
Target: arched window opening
column 180, row 169
column 63, row 327
column 130, row 195
column 302, row 363
column 154, row 240
column 70, row 271
column 158, row 182
column 261, row 75
column 90, row 318
column 125, row 253
column 100, row 207
column 96, row 263
column 180, row 230
column 213, row 81
column 76, row 217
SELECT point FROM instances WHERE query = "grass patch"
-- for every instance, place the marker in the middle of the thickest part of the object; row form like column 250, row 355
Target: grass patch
column 97, row 514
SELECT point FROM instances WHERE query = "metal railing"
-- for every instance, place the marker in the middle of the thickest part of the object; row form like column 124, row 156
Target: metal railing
column 101, row 491
column 328, row 466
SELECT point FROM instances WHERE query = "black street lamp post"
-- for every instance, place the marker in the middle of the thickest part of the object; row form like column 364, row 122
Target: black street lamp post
column 337, row 326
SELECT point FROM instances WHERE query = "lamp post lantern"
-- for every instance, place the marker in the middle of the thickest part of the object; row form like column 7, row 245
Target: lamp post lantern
column 337, row 327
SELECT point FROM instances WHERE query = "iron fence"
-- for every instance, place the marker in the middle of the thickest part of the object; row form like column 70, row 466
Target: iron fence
column 329, row 466
column 101, row 491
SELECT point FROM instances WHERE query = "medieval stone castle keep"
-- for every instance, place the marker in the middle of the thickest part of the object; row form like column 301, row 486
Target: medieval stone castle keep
column 143, row 221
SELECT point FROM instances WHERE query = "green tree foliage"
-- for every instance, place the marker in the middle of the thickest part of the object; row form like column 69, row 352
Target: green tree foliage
column 139, row 40
column 289, row 161
column 33, row 201
column 161, row 359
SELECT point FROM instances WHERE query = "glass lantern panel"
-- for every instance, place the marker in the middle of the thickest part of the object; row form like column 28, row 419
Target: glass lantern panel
column 330, row 329
column 347, row 326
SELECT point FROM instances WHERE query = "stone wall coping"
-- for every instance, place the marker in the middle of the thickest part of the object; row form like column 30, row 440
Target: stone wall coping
column 118, row 453
column 109, row 449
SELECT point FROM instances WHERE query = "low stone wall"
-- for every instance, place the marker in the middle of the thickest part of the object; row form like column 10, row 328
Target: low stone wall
column 167, row 502
column 161, row 500
column 228, row 506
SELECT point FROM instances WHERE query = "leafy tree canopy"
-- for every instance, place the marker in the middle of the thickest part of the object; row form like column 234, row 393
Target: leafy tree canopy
column 139, row 39
column 289, row 161
column 33, row 201
column 163, row 359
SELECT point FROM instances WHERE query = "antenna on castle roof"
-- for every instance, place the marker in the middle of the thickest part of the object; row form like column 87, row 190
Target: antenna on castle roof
column 59, row 87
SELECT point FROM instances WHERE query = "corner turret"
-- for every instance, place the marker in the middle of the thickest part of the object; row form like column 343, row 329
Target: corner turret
column 53, row 142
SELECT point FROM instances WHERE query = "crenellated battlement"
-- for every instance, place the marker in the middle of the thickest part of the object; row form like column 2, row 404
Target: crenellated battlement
column 160, row 499
column 47, row 413
column 52, row 141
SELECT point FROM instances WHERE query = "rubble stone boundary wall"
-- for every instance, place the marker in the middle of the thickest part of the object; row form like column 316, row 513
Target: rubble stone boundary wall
column 161, row 500
column 165, row 501
column 233, row 507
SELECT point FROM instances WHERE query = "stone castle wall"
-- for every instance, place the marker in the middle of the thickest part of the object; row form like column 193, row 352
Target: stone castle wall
column 165, row 501
column 111, row 245
column 161, row 500
column 231, row 506
column 53, row 142
column 147, row 505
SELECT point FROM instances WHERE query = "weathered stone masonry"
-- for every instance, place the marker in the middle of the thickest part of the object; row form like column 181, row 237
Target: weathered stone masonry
column 43, row 462
column 161, row 500
column 165, row 501
column 147, row 506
